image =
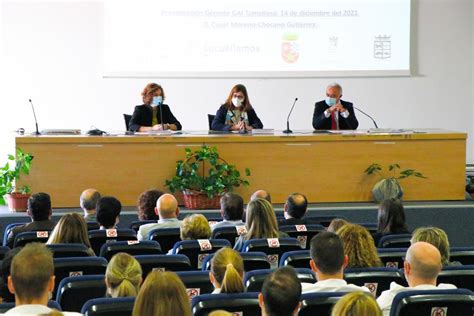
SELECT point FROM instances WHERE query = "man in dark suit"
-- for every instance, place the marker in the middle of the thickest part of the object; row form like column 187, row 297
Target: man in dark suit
column 334, row 113
column 39, row 209
column 294, row 210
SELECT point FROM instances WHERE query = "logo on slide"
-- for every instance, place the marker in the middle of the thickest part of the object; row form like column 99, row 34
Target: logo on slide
column 382, row 47
column 289, row 48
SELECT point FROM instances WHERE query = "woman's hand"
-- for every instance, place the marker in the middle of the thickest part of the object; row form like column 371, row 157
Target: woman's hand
column 157, row 127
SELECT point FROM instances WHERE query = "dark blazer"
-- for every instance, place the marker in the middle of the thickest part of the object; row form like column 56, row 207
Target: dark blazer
column 321, row 122
column 295, row 221
column 218, row 124
column 29, row 227
column 142, row 116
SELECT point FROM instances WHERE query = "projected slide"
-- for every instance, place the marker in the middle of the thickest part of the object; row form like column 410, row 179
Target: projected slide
column 259, row 38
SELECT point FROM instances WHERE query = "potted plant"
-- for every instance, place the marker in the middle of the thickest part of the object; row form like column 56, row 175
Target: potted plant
column 17, row 197
column 470, row 184
column 389, row 187
column 203, row 176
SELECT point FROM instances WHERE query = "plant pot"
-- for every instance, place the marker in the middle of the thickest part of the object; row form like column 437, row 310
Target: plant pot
column 387, row 189
column 200, row 201
column 17, row 202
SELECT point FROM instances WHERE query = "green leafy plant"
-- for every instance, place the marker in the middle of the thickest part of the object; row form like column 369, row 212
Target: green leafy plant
column 205, row 171
column 11, row 172
column 376, row 168
column 470, row 184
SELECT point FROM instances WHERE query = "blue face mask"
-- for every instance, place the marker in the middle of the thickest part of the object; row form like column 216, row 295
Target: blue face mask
column 157, row 100
column 331, row 101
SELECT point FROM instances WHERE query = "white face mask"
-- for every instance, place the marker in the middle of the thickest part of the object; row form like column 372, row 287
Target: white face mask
column 237, row 102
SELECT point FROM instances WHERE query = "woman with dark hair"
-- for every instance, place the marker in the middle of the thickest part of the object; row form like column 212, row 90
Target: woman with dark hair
column 147, row 117
column 390, row 219
column 236, row 114
column 147, row 204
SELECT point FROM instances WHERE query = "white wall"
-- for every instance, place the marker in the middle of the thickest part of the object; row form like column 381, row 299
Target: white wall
column 52, row 54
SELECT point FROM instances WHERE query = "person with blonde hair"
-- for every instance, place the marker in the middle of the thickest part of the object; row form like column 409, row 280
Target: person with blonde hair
column 195, row 227
column 260, row 223
column 359, row 247
column 123, row 276
column 336, row 224
column 356, row 303
column 438, row 238
column 227, row 271
column 71, row 229
column 162, row 293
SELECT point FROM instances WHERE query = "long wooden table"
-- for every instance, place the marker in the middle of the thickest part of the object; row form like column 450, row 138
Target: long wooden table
column 325, row 167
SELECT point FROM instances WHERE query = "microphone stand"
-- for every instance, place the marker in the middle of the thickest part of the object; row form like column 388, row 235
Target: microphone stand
column 36, row 122
column 288, row 130
column 370, row 117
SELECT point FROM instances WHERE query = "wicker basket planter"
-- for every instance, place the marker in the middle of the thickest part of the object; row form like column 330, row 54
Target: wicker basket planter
column 200, row 201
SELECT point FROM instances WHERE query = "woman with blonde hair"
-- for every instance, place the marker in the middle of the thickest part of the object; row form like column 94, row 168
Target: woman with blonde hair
column 123, row 276
column 260, row 223
column 71, row 229
column 438, row 238
column 162, row 293
column 336, row 224
column 359, row 247
column 227, row 272
column 195, row 227
column 356, row 303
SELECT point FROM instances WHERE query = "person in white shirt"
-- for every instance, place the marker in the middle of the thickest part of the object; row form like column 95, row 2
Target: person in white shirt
column 32, row 280
column 168, row 211
column 328, row 262
column 232, row 210
column 422, row 267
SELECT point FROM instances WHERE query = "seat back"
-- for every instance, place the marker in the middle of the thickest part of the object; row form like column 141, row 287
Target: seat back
column 252, row 261
column 303, row 233
column 230, row 233
column 127, row 118
column 7, row 230
column 136, row 225
column 164, row 263
column 376, row 280
column 464, row 255
column 74, row 292
column 253, row 280
column 461, row 276
column 392, row 257
column 3, row 251
column 273, row 247
column 210, row 118
column 132, row 247
column 371, row 227
column 395, row 241
column 196, row 282
column 238, row 304
column 122, row 306
column 433, row 302
column 99, row 237
column 33, row 236
column 319, row 303
column 69, row 250
column 296, row 259
column 324, row 220
column 166, row 237
column 92, row 226
column 197, row 250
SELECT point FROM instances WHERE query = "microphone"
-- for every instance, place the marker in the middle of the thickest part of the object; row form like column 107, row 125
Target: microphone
column 36, row 122
column 288, row 130
column 370, row 117
column 161, row 116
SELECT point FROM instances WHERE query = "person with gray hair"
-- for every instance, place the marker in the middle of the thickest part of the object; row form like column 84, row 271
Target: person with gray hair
column 88, row 202
column 334, row 113
column 422, row 267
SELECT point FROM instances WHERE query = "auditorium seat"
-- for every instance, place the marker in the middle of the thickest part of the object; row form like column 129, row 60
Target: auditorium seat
column 132, row 247
column 73, row 292
column 461, row 276
column 3, row 251
column 166, row 237
column 371, row 227
column 324, row 220
column 136, row 225
column 252, row 261
column 33, row 236
column 318, row 303
column 99, row 237
column 253, row 280
column 238, row 304
column 376, row 280
column 68, row 250
column 464, row 255
column 196, row 282
column 273, row 247
column 230, row 233
column 7, row 231
column 303, row 233
column 296, row 259
column 92, row 226
column 122, row 306
column 196, row 252
column 392, row 257
column 163, row 262
column 395, row 241
column 433, row 302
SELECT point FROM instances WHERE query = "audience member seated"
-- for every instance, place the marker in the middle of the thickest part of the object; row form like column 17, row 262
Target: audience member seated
column 71, row 229
column 336, row 224
column 261, row 194
column 328, row 262
column 123, row 276
column 356, row 303
column 260, row 223
column 147, row 202
column 32, row 280
column 39, row 209
column 6, row 296
column 232, row 210
column 422, row 266
column 162, row 293
column 227, row 272
column 390, row 219
column 281, row 293
column 438, row 238
column 195, row 227
column 294, row 210
column 359, row 247
column 167, row 210
column 108, row 212
column 88, row 202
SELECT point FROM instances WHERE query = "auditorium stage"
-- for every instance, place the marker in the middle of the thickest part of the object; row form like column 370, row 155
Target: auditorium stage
column 456, row 218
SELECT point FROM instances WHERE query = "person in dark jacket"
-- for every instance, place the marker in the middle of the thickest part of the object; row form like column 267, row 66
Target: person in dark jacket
column 236, row 114
column 147, row 117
